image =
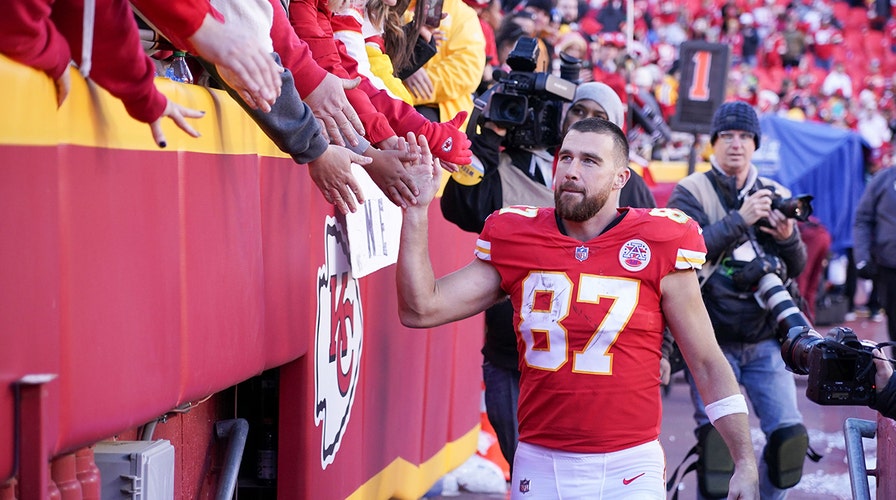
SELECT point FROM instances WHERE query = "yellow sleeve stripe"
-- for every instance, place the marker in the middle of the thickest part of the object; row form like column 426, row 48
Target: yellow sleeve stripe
column 689, row 259
column 483, row 249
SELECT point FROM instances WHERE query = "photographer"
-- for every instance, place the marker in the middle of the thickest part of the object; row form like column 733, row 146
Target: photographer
column 520, row 175
column 747, row 240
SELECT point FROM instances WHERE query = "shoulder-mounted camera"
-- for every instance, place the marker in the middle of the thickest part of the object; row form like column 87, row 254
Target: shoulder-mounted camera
column 529, row 104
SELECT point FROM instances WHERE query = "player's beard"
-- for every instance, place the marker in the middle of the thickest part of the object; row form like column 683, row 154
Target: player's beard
column 582, row 210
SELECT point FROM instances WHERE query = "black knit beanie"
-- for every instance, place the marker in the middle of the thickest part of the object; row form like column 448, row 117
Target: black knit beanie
column 736, row 115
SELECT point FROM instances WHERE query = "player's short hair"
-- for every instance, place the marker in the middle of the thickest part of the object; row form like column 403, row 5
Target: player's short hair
column 601, row 126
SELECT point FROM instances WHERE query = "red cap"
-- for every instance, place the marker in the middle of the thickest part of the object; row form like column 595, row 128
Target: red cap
column 615, row 39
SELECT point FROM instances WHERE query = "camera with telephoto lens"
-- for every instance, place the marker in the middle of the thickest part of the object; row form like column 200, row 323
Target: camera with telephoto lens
column 796, row 207
column 766, row 275
column 775, row 298
column 840, row 366
column 529, row 104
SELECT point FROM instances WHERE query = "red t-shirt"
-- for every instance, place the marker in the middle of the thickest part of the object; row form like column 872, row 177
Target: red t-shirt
column 588, row 320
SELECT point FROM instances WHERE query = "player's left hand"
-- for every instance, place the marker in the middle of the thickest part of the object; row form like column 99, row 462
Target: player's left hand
column 744, row 484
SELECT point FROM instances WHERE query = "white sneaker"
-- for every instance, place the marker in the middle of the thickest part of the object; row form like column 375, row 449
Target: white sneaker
column 850, row 316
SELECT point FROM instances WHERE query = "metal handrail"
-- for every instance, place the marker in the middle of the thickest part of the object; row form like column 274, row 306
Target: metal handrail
column 854, row 429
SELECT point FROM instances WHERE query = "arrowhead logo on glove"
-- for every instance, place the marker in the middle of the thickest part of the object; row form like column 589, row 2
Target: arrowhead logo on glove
column 447, row 145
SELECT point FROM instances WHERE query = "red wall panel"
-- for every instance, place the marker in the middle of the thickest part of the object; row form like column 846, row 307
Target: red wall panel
column 30, row 277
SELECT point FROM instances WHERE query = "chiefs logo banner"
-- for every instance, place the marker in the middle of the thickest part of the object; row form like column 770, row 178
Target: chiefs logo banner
column 338, row 341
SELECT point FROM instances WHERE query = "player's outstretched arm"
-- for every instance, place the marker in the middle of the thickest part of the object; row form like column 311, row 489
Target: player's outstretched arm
column 424, row 301
column 687, row 318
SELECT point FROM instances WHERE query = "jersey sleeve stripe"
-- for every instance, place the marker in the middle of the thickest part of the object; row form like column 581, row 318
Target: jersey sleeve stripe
column 483, row 249
column 689, row 259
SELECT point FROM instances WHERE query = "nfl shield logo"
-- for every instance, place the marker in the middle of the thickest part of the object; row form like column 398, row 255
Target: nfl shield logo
column 581, row 253
column 524, row 486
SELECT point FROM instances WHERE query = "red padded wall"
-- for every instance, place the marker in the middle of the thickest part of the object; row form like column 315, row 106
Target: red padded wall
column 147, row 278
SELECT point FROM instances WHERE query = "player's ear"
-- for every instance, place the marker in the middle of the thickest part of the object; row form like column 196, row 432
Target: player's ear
column 622, row 176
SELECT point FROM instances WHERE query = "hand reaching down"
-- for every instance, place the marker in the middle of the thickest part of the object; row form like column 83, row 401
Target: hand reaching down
column 331, row 107
column 179, row 114
column 332, row 173
column 63, row 87
column 241, row 61
column 388, row 170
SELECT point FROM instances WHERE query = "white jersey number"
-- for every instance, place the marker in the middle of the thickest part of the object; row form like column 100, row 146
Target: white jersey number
column 547, row 298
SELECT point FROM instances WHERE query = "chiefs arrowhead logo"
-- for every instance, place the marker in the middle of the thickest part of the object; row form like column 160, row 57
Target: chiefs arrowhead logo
column 447, row 145
column 338, row 341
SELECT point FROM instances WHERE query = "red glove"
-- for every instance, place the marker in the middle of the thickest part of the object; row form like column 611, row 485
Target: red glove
column 447, row 141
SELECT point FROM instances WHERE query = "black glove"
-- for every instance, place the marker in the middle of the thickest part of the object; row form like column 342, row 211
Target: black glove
column 866, row 270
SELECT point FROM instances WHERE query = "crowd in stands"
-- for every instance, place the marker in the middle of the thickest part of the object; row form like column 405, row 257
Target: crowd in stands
column 820, row 60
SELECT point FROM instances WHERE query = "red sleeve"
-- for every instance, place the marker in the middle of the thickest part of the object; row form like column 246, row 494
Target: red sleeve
column 491, row 48
column 177, row 20
column 28, row 36
column 119, row 64
column 294, row 53
column 311, row 21
column 375, row 123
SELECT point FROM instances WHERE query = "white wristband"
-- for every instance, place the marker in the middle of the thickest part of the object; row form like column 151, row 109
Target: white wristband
column 726, row 406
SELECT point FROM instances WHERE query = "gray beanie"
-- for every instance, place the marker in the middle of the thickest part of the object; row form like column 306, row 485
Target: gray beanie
column 604, row 95
column 735, row 115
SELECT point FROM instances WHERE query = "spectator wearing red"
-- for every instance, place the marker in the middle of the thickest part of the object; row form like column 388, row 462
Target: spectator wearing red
column 824, row 42
column 47, row 35
column 818, row 243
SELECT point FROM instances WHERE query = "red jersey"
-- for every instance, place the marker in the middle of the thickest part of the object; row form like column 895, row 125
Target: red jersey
column 588, row 321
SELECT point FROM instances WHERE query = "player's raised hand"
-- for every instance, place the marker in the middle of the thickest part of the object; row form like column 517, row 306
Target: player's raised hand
column 426, row 172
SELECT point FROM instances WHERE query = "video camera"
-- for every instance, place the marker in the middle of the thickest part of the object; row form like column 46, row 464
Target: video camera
column 840, row 366
column 528, row 104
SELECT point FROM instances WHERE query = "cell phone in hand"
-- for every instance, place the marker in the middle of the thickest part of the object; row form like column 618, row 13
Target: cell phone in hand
column 433, row 13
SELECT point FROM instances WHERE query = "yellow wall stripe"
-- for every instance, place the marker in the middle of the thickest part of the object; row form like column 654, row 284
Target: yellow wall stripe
column 93, row 117
column 404, row 480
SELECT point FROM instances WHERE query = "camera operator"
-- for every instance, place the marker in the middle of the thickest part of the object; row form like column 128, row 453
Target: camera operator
column 523, row 176
column 746, row 236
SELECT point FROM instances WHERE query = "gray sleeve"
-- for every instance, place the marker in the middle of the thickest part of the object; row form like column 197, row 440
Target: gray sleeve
column 290, row 124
